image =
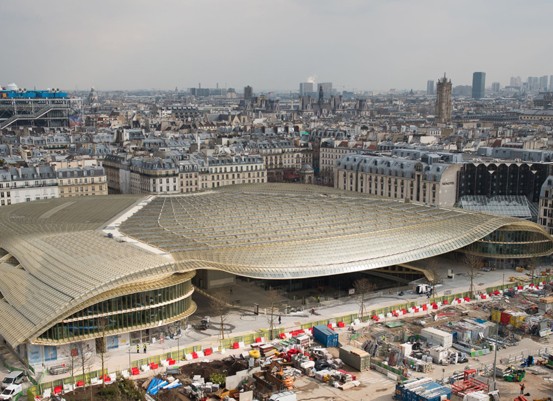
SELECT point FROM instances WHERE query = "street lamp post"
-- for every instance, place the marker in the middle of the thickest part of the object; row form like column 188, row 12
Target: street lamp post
column 130, row 355
column 494, row 365
column 178, row 348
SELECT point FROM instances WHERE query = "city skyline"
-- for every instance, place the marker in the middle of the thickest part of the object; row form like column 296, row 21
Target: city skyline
column 140, row 45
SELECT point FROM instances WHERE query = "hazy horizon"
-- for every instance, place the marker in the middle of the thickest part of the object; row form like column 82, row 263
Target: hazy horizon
column 355, row 44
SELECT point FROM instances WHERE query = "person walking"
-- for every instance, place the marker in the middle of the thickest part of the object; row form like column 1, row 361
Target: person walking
column 138, row 348
column 144, row 349
column 522, row 387
column 279, row 320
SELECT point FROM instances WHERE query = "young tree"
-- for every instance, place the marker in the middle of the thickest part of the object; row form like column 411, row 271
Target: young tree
column 273, row 300
column 74, row 361
column 101, row 345
column 85, row 359
column 474, row 263
column 220, row 307
column 362, row 287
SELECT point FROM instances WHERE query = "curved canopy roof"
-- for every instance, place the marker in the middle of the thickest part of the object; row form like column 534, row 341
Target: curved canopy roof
column 54, row 256
column 282, row 231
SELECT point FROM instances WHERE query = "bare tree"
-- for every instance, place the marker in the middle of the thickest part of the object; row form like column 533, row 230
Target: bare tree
column 101, row 345
column 362, row 287
column 73, row 361
column 474, row 263
column 273, row 300
column 220, row 306
column 531, row 265
column 434, row 275
column 85, row 359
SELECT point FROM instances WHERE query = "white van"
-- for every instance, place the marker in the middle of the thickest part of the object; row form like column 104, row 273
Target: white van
column 15, row 377
column 11, row 391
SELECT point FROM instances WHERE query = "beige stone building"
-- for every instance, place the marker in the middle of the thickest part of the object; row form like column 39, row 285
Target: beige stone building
column 86, row 181
column 411, row 180
column 329, row 154
column 155, row 175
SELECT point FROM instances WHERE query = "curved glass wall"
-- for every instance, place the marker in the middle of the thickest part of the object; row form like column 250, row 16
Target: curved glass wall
column 141, row 309
column 509, row 243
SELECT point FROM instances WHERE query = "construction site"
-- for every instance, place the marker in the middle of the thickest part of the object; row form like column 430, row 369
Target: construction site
column 492, row 344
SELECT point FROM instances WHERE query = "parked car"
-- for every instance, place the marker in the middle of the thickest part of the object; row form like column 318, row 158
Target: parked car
column 58, row 369
column 15, row 377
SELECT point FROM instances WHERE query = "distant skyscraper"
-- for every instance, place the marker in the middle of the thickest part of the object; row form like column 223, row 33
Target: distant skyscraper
column 326, row 87
column 495, row 87
column 551, row 83
column 478, row 85
column 306, row 88
column 429, row 87
column 443, row 100
column 533, row 84
column 544, row 83
column 516, row 82
column 248, row 93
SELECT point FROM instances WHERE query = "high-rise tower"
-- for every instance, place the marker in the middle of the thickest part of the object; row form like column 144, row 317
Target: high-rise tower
column 306, row 89
column 248, row 93
column 478, row 85
column 430, row 87
column 443, row 100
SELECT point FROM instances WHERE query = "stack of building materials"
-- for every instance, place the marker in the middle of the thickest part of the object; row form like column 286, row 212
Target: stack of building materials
column 267, row 350
column 303, row 340
column 546, row 304
column 482, row 396
column 471, row 349
column 469, row 384
column 419, row 365
column 302, row 362
column 423, row 389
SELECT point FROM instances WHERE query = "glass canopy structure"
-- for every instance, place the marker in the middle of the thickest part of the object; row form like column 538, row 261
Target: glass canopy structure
column 64, row 279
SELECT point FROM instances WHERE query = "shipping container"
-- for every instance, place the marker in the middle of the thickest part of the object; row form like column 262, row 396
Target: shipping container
column 355, row 357
column 437, row 337
column 325, row 336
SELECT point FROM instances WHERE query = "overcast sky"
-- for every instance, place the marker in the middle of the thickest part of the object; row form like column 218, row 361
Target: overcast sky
column 271, row 44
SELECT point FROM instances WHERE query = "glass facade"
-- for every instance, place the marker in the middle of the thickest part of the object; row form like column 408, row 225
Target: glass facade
column 512, row 243
column 119, row 314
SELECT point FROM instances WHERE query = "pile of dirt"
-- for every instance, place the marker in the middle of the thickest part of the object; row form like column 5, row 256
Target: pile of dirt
column 228, row 366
